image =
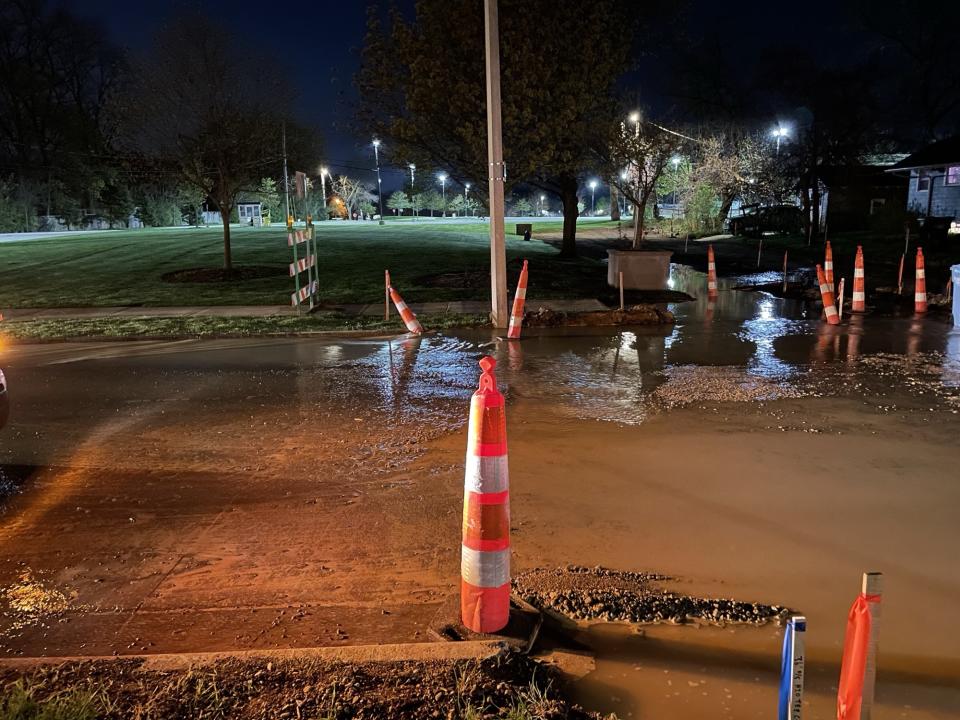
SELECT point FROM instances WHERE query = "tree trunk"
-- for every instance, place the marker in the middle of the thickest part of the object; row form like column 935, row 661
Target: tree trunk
column 641, row 211
column 614, row 204
column 227, row 258
column 726, row 202
column 568, row 195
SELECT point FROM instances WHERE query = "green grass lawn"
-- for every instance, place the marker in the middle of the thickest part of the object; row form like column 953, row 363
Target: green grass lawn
column 126, row 267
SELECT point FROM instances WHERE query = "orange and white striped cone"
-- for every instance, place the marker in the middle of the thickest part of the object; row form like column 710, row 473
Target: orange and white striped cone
column 711, row 273
column 826, row 293
column 516, row 317
column 485, row 549
column 920, row 292
column 406, row 314
column 828, row 267
column 859, row 301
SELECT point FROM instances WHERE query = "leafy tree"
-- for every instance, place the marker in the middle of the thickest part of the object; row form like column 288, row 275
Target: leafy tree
column 457, row 205
column 418, row 202
column 433, row 201
column 522, row 207
column 270, row 197
column 15, row 214
column 421, row 85
column 399, row 201
column 205, row 107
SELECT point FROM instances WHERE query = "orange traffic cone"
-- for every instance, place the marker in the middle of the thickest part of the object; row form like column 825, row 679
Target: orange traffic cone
column 516, row 317
column 826, row 293
column 858, row 669
column 485, row 550
column 828, row 266
column 859, row 303
column 406, row 314
column 920, row 293
column 711, row 273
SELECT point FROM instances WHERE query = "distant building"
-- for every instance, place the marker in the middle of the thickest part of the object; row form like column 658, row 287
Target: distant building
column 934, row 182
column 249, row 212
column 865, row 196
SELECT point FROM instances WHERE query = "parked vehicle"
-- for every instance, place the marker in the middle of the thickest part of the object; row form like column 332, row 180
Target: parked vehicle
column 755, row 220
column 4, row 401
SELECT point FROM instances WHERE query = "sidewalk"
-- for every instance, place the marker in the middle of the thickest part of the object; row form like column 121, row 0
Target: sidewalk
column 477, row 307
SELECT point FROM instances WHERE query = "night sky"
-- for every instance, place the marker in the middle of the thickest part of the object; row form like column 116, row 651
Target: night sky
column 322, row 50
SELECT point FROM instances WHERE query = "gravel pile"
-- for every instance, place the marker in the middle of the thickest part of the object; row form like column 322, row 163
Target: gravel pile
column 689, row 384
column 497, row 687
column 603, row 594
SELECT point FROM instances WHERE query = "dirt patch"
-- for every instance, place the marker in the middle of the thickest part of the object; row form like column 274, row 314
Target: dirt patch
column 636, row 315
column 602, row 594
column 465, row 280
column 506, row 685
column 216, row 275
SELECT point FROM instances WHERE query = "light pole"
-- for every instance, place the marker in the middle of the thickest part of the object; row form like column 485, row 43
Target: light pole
column 593, row 197
column 466, row 189
column 413, row 209
column 779, row 132
column 542, row 199
column 376, row 154
column 442, row 177
column 323, row 189
column 635, row 119
column 499, row 312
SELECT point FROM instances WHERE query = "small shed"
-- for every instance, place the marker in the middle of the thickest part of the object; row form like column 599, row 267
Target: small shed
column 250, row 212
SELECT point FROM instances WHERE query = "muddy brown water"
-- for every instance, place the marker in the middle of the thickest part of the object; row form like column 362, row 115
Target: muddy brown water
column 241, row 494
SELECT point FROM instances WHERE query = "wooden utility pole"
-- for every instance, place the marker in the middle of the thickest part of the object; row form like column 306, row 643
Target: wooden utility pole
column 499, row 312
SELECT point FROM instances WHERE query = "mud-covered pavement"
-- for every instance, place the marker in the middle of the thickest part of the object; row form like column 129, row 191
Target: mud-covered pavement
column 219, row 495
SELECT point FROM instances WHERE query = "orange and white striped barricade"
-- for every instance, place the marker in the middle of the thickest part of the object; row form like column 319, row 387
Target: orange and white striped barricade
column 516, row 317
column 858, row 671
column 828, row 266
column 920, row 292
column 485, row 549
column 406, row 314
column 826, row 293
column 859, row 299
column 302, row 264
column 711, row 273
column 303, row 293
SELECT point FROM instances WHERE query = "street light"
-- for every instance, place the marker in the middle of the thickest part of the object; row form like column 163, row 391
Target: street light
column 635, row 119
column 780, row 132
column 542, row 198
column 413, row 210
column 593, row 197
column 376, row 153
column 323, row 188
column 442, row 177
column 466, row 189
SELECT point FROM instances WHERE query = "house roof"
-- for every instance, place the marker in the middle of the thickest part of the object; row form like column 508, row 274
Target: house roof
column 938, row 154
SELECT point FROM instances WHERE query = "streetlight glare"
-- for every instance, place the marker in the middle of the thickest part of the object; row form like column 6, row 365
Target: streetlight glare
column 675, row 160
column 442, row 177
column 467, row 186
column 376, row 143
column 634, row 117
column 412, row 166
column 593, row 184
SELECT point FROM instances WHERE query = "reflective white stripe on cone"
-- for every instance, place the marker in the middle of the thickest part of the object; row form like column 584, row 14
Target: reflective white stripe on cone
column 711, row 273
column 828, row 267
column 859, row 299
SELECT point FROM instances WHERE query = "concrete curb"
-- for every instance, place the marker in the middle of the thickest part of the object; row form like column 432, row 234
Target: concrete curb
column 407, row 652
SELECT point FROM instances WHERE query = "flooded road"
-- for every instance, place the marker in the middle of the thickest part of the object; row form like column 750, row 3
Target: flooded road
column 174, row 496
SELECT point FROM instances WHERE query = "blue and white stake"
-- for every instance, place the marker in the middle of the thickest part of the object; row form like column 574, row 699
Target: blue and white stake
column 791, row 669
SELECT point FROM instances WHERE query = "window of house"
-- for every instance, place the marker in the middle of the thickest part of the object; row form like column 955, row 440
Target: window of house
column 953, row 175
column 256, row 211
column 876, row 205
column 923, row 181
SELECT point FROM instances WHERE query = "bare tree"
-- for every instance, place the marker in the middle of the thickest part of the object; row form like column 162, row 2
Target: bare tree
column 637, row 159
column 355, row 194
column 207, row 109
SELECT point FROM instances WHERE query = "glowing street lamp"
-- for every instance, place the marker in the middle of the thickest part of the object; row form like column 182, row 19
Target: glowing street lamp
column 466, row 189
column 542, row 199
column 780, row 132
column 376, row 153
column 593, row 197
column 323, row 188
column 442, row 177
column 635, row 119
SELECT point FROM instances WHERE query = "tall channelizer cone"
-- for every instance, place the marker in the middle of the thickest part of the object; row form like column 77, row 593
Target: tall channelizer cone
column 485, row 549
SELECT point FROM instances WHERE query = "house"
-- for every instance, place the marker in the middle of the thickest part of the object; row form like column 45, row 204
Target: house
column 934, row 182
column 249, row 212
column 864, row 196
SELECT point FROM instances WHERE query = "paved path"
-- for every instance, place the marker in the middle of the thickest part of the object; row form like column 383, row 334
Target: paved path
column 430, row 308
